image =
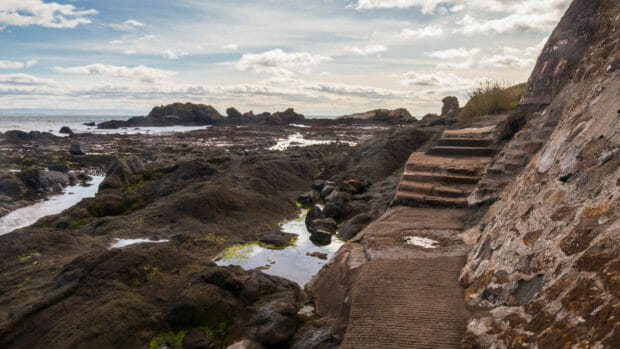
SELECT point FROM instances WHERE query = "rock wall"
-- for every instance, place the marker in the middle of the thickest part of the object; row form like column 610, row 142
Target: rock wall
column 546, row 261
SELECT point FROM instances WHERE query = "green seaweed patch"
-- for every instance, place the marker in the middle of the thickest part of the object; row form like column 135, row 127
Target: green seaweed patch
column 217, row 330
column 239, row 251
column 26, row 256
column 293, row 242
column 168, row 339
column 80, row 222
column 21, row 284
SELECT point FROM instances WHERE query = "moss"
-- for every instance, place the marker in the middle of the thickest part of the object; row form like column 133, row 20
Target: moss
column 80, row 222
column 217, row 330
column 151, row 272
column 21, row 284
column 26, row 256
column 168, row 339
column 238, row 251
column 115, row 207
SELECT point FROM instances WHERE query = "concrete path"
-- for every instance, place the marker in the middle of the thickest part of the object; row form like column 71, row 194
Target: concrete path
column 408, row 294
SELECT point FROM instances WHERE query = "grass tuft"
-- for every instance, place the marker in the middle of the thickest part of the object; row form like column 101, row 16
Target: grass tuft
column 491, row 98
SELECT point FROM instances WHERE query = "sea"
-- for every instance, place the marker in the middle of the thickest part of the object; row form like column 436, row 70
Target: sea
column 53, row 123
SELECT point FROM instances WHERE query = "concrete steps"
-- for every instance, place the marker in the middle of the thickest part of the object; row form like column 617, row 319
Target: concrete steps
column 462, row 151
column 446, row 174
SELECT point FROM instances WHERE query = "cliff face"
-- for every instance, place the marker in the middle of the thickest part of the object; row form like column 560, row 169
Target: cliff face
column 546, row 257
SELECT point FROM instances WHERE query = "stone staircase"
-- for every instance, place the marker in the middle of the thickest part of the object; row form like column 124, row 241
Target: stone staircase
column 447, row 173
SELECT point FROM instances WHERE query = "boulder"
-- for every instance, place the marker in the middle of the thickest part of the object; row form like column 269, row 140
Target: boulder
column 318, row 184
column 76, row 149
column 326, row 190
column 233, row 113
column 276, row 238
column 354, row 225
column 196, row 339
column 41, row 181
column 323, row 229
column 90, row 124
column 275, row 322
column 309, row 197
column 450, row 107
column 313, row 214
column 10, row 186
column 319, row 255
column 66, row 130
column 64, row 168
column 245, row 344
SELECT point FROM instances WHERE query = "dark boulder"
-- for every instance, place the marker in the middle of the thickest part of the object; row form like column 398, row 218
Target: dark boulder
column 316, row 254
column 326, row 190
column 313, row 214
column 354, row 225
column 41, row 181
column 10, row 186
column 76, row 149
column 121, row 171
column 276, row 238
column 196, row 339
column 450, row 107
column 318, row 184
column 233, row 113
column 275, row 322
column 64, row 168
column 66, row 130
column 90, row 124
column 309, row 197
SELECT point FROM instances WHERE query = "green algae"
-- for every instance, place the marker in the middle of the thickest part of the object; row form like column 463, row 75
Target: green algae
column 168, row 339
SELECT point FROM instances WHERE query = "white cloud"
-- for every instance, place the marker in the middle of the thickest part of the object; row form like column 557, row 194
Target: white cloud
column 512, row 23
column 23, row 13
column 427, row 5
column 141, row 73
column 367, row 50
column 351, row 90
column 174, row 55
column 128, row 25
column 511, row 57
column 438, row 79
column 455, row 53
column 421, row 33
column 116, row 42
column 17, row 65
column 232, row 47
column 279, row 62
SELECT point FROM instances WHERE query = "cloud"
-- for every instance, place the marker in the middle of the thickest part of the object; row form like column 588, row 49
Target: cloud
column 367, row 50
column 24, row 80
column 455, row 53
column 421, row 33
column 427, row 5
column 278, row 62
column 17, row 65
column 512, row 23
column 232, row 47
column 511, row 57
column 174, row 55
column 438, row 79
column 351, row 90
column 141, row 73
column 23, row 13
column 128, row 25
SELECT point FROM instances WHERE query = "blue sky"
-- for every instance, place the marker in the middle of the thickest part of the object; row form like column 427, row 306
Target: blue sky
column 324, row 57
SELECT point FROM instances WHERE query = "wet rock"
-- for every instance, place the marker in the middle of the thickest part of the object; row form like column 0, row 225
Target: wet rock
column 318, row 184
column 347, row 188
column 319, row 255
column 76, row 149
column 313, row 214
column 196, row 339
column 275, row 322
column 323, row 229
column 121, row 171
column 333, row 210
column 277, row 238
column 66, row 130
column 64, row 168
column 41, row 181
column 90, row 124
column 309, row 197
column 326, row 190
column 10, row 186
column 245, row 344
column 354, row 225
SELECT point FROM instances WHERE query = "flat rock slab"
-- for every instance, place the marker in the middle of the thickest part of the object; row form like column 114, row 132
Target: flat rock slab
column 412, row 303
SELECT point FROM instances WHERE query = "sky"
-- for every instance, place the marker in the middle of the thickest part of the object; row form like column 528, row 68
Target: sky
column 321, row 57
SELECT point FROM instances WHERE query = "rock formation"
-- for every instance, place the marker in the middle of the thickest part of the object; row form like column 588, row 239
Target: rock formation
column 450, row 107
column 545, row 262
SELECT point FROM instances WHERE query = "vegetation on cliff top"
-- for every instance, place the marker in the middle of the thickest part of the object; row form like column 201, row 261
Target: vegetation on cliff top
column 491, row 98
column 198, row 112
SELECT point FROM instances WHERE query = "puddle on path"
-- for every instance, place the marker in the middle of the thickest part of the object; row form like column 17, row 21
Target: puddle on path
column 291, row 263
column 28, row 215
column 420, row 241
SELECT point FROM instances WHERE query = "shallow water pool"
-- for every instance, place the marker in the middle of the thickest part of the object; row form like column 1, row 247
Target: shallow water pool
column 28, row 215
column 291, row 263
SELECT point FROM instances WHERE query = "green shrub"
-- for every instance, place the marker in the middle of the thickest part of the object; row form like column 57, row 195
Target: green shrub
column 491, row 98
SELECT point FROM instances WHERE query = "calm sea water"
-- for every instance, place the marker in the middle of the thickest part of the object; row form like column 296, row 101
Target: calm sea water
column 53, row 123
